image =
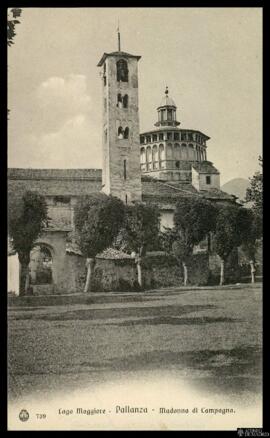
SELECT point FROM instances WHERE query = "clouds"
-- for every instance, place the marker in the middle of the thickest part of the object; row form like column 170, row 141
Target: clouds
column 75, row 144
column 65, row 94
column 68, row 133
column 62, row 98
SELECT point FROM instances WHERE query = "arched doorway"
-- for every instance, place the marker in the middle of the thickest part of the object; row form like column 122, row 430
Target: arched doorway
column 41, row 265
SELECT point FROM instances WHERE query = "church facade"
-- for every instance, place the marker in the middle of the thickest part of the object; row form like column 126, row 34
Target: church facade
column 157, row 166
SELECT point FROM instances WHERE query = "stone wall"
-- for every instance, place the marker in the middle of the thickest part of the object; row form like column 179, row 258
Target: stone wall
column 119, row 153
column 158, row 271
column 231, row 268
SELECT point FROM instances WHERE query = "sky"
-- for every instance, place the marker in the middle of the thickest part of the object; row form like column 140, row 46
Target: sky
column 210, row 59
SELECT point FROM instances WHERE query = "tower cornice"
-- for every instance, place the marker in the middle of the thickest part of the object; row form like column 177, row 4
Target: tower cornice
column 116, row 54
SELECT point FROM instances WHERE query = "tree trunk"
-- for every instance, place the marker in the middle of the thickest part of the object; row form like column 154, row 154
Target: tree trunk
column 24, row 278
column 89, row 265
column 221, row 272
column 139, row 271
column 185, row 273
column 252, row 271
column 27, row 280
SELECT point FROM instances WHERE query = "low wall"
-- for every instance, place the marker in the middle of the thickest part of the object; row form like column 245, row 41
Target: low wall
column 157, row 271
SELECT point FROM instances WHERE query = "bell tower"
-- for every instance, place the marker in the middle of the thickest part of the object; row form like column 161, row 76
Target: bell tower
column 121, row 175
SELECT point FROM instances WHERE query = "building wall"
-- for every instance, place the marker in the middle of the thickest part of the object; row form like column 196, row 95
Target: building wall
column 13, row 274
column 166, row 219
column 199, row 180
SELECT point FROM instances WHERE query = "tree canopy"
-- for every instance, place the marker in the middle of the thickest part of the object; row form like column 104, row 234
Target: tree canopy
column 231, row 226
column 27, row 217
column 254, row 194
column 141, row 227
column 12, row 21
column 193, row 220
column 250, row 232
column 98, row 219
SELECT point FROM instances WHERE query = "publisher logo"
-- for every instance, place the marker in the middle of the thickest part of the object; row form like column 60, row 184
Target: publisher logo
column 24, row 415
column 251, row 432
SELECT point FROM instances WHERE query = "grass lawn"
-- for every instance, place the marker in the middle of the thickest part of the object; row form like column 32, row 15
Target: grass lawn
column 212, row 337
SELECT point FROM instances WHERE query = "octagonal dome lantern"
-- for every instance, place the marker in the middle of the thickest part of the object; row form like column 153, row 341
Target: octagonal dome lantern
column 167, row 111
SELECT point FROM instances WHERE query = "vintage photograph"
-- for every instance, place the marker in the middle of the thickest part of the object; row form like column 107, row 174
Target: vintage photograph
column 135, row 218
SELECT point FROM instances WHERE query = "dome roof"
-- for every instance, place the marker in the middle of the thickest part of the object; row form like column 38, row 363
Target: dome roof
column 166, row 100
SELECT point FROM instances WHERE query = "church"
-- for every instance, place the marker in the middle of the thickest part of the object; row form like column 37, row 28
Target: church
column 157, row 166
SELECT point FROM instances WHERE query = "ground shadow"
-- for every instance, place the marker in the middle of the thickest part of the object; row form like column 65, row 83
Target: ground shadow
column 123, row 312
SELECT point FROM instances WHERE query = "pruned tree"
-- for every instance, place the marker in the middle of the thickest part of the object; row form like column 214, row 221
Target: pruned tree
column 98, row 219
column 141, row 231
column 194, row 219
column 27, row 216
column 228, row 234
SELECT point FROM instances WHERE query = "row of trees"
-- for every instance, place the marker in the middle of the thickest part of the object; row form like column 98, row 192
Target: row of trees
column 229, row 226
column 102, row 221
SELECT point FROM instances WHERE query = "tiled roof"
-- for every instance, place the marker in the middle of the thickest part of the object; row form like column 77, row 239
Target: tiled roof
column 205, row 167
column 217, row 194
column 55, row 182
column 174, row 128
column 74, row 174
column 76, row 182
column 162, row 191
column 112, row 254
column 73, row 248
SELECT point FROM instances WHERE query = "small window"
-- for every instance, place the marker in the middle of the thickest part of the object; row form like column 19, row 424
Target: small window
column 104, row 74
column 184, row 136
column 148, row 139
column 169, row 135
column 126, row 199
column 177, row 164
column 61, row 200
column 190, row 136
column 120, row 133
column 125, row 169
column 126, row 133
column 176, row 136
column 142, row 139
column 162, row 115
column 208, row 179
column 119, row 101
column 161, row 137
column 122, row 70
column 125, row 101
column 154, row 137
column 169, row 114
